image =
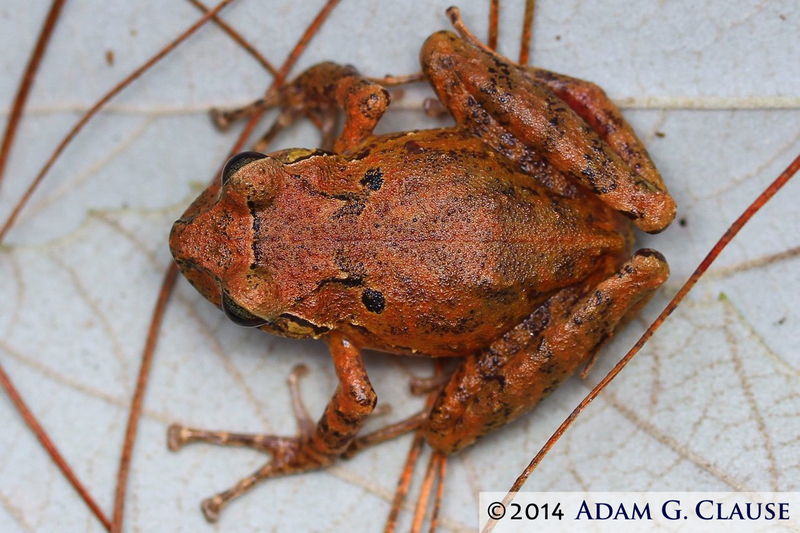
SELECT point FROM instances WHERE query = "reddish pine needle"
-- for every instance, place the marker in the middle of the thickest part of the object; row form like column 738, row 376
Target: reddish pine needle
column 138, row 397
column 425, row 491
column 50, row 448
column 237, row 37
column 394, row 81
column 410, row 465
column 437, row 502
column 726, row 238
column 494, row 8
column 527, row 31
column 404, row 482
column 27, row 82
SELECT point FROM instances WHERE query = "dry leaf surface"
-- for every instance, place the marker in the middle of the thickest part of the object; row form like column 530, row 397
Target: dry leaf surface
column 712, row 402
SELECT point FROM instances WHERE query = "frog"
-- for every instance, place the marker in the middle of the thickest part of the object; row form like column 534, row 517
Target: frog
column 504, row 241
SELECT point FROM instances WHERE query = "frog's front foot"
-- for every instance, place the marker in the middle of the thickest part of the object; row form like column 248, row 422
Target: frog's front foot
column 289, row 455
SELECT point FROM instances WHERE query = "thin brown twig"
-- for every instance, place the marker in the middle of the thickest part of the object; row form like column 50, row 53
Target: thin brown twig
column 404, row 482
column 494, row 10
column 304, row 40
column 96, row 107
column 527, row 31
column 437, row 502
column 425, row 492
column 236, row 36
column 169, row 281
column 50, row 447
column 410, row 465
column 138, row 397
column 26, row 83
column 726, row 238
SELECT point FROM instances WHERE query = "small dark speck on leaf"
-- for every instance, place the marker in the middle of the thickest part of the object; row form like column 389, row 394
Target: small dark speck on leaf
column 558, row 37
column 783, row 17
column 660, row 134
column 781, row 321
column 110, row 57
column 682, row 222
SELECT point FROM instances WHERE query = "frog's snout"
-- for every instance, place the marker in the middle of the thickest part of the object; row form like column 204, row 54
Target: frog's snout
column 181, row 239
column 186, row 244
column 207, row 242
column 176, row 239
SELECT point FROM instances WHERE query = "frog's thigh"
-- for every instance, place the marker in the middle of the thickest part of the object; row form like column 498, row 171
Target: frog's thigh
column 497, row 385
column 514, row 113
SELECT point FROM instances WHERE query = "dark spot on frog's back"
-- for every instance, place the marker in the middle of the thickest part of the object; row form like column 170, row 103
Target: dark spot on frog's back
column 373, row 179
column 373, row 300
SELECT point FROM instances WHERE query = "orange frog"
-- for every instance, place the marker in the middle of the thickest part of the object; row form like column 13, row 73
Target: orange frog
column 505, row 241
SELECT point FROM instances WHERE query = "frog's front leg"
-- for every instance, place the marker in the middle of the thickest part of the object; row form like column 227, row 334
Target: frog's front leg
column 318, row 93
column 521, row 112
column 493, row 387
column 314, row 447
column 327, row 86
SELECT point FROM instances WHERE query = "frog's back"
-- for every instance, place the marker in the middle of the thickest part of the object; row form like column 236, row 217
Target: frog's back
column 448, row 246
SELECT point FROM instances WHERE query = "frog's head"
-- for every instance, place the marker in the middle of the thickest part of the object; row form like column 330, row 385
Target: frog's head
column 212, row 243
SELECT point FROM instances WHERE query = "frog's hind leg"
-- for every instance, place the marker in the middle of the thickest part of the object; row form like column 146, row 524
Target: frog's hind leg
column 509, row 109
column 594, row 106
column 499, row 384
column 317, row 445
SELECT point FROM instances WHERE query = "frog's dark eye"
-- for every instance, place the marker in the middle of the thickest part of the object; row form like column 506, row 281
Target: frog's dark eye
column 240, row 315
column 238, row 161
